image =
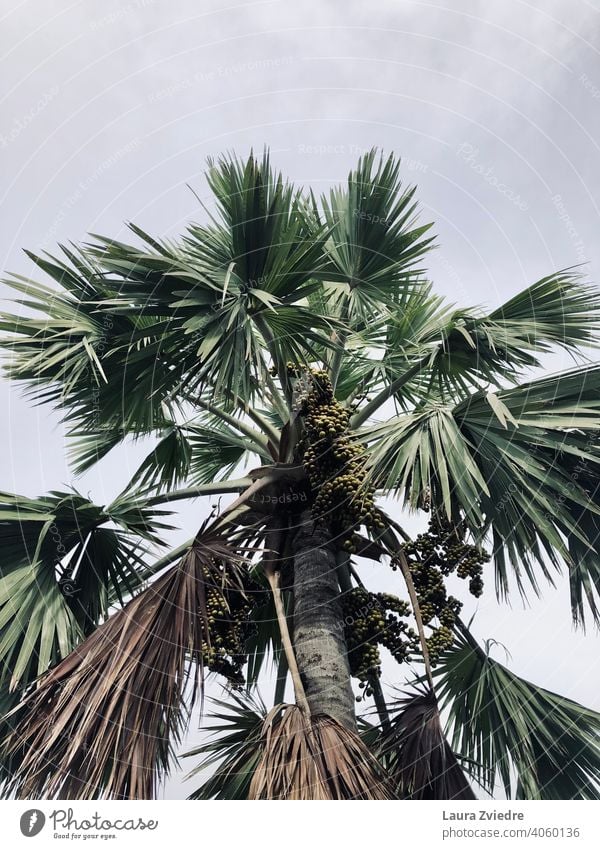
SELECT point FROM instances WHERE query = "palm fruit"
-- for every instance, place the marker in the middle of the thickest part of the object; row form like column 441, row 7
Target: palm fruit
column 229, row 625
column 431, row 556
column 372, row 619
column 334, row 463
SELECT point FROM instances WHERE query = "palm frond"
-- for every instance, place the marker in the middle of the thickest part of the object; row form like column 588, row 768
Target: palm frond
column 459, row 350
column 416, row 755
column 217, row 451
column 74, row 348
column 561, row 310
column 234, row 748
column 558, row 310
column 267, row 231
column 504, row 726
column 373, row 246
column 262, row 254
column 316, row 758
column 168, row 463
column 103, row 722
column 499, row 460
column 61, row 569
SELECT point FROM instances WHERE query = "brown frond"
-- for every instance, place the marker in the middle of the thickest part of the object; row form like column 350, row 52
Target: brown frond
column 102, row 723
column 418, row 758
column 314, row 758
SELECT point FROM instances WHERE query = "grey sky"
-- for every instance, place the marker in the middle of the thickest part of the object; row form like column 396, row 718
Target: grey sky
column 109, row 109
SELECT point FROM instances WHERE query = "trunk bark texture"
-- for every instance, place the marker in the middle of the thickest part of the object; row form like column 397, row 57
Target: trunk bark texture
column 319, row 642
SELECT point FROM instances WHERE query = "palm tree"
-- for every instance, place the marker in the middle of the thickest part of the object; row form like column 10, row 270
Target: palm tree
column 291, row 356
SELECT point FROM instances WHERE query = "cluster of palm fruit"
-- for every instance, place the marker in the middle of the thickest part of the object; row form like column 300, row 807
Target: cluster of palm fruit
column 432, row 556
column 372, row 619
column 229, row 626
column 441, row 546
column 334, row 463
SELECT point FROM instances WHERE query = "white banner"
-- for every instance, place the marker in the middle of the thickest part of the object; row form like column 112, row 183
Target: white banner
column 260, row 825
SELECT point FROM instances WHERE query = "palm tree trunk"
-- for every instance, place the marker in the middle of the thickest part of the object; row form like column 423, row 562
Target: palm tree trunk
column 319, row 641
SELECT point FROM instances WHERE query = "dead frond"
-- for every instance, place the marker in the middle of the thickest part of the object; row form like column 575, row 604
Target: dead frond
column 417, row 756
column 314, row 758
column 102, row 723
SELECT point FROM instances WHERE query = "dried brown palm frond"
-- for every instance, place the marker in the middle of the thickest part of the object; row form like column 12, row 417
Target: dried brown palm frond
column 416, row 754
column 103, row 722
column 314, row 758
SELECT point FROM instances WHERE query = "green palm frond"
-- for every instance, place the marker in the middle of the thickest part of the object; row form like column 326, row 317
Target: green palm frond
column 217, row 451
column 541, row 745
column 108, row 568
column 80, row 354
column 168, row 464
column 63, row 566
column 37, row 625
column 263, row 255
column 558, row 310
column 87, row 447
column 276, row 245
column 498, row 459
column 374, row 244
column 458, row 350
column 234, row 748
column 584, row 546
column 133, row 511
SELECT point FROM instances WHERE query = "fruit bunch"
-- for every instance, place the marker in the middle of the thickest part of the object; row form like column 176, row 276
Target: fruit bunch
column 443, row 548
column 334, row 463
column 372, row 619
column 431, row 556
column 229, row 626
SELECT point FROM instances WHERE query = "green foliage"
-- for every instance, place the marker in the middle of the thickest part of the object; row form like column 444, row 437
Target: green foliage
column 505, row 726
column 373, row 245
column 503, row 461
column 235, row 728
column 63, row 565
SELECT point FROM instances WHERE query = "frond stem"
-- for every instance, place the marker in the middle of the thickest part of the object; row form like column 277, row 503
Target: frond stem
column 279, row 365
column 388, row 537
column 301, row 700
column 217, row 488
column 375, row 403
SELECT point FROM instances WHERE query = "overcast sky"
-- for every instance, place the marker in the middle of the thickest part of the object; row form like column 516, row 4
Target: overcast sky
column 109, row 109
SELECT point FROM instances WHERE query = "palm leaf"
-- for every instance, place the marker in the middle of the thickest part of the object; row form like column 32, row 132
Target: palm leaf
column 499, row 460
column 504, row 725
column 314, row 758
column 374, row 246
column 40, row 540
column 560, row 310
column 118, row 703
column 235, row 728
column 429, row 348
column 168, row 464
column 217, row 451
column 416, row 755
